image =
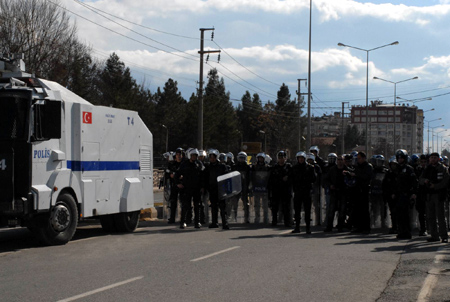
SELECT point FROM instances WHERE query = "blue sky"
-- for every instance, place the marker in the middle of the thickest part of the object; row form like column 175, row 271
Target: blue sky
column 270, row 38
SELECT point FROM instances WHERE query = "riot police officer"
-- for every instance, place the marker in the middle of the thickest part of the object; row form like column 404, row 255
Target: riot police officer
column 214, row 169
column 280, row 189
column 435, row 177
column 378, row 205
column 189, row 179
column 175, row 191
column 404, row 194
column 303, row 177
column 260, row 177
column 242, row 167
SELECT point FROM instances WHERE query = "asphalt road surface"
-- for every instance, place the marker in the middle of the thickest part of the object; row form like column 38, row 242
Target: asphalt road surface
column 160, row 262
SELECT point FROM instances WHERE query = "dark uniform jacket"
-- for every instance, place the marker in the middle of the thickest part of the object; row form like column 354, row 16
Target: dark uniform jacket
column 190, row 175
column 277, row 173
column 303, row 177
column 212, row 171
column 438, row 176
column 405, row 181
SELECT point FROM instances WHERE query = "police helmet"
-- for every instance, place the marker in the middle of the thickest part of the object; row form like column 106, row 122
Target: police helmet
column 314, row 148
column 261, row 154
column 393, row 160
column 281, row 153
column 379, row 160
column 179, row 150
column 332, row 157
column 193, row 151
column 166, row 155
column 242, row 156
column 445, row 160
column 268, row 159
column 187, row 152
column 222, row 157
column 214, row 152
column 202, row 153
column 310, row 156
column 414, row 159
column 354, row 153
column 401, row 153
column 230, row 156
column 300, row 154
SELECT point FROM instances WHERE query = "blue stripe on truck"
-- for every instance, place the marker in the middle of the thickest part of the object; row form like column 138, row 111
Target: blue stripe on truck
column 76, row 165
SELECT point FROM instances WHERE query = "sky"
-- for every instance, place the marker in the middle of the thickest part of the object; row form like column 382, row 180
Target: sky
column 265, row 43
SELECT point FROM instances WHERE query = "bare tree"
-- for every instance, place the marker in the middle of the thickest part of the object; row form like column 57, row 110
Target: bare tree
column 44, row 33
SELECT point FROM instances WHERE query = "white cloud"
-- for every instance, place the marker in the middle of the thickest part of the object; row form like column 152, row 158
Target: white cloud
column 328, row 10
column 433, row 69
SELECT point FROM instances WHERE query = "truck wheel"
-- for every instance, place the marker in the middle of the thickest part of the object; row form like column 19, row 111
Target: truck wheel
column 61, row 223
column 108, row 223
column 127, row 222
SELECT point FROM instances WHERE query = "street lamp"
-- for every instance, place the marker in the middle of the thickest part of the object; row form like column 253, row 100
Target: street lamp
column 428, row 143
column 367, row 84
column 432, row 136
column 395, row 100
column 167, row 137
column 413, row 101
column 265, row 141
column 437, row 139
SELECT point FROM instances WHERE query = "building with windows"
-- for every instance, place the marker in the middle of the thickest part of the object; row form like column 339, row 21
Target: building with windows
column 409, row 127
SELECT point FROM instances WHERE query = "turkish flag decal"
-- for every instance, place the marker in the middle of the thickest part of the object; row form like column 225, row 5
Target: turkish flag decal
column 87, row 117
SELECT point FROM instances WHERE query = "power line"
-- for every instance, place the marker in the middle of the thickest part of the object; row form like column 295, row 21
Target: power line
column 278, row 85
column 120, row 34
column 140, row 25
column 168, row 46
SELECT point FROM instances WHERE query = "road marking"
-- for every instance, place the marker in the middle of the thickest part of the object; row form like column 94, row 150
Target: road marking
column 216, row 253
column 430, row 281
column 285, row 232
column 100, row 289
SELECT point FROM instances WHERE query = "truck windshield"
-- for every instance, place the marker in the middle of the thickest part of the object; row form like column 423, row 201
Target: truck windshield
column 14, row 116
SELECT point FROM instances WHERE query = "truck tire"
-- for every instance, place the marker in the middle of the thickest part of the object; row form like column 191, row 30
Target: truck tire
column 127, row 222
column 108, row 223
column 61, row 223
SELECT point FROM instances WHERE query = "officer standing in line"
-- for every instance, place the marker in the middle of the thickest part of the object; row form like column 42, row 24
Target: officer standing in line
column 331, row 162
column 404, row 194
column 242, row 167
column 436, row 177
column 204, row 208
column 175, row 191
column 189, row 179
column 214, row 169
column 363, row 174
column 389, row 188
column 378, row 205
column 303, row 177
column 351, row 190
column 260, row 177
column 280, row 191
column 317, row 193
column 421, row 199
column 337, row 195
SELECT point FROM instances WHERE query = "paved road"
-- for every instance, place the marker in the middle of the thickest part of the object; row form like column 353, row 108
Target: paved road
column 160, row 262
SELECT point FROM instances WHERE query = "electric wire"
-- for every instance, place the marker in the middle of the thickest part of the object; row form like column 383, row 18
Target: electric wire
column 140, row 25
column 123, row 35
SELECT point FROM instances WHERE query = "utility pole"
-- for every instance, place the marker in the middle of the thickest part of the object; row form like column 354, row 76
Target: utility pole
column 308, row 140
column 343, row 129
column 200, row 89
column 299, row 98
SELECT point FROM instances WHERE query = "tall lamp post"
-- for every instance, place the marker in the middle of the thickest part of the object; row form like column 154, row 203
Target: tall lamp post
column 437, row 139
column 265, row 141
column 367, row 83
column 395, row 101
column 432, row 136
column 428, row 132
column 167, row 137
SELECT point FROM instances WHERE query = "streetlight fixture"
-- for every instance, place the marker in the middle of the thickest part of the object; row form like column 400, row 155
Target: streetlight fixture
column 428, row 131
column 432, row 134
column 395, row 101
column 167, row 137
column 265, row 141
column 367, row 83
column 413, row 101
column 437, row 139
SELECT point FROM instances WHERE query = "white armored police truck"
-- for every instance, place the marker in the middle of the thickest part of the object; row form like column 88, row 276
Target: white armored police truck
column 63, row 159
